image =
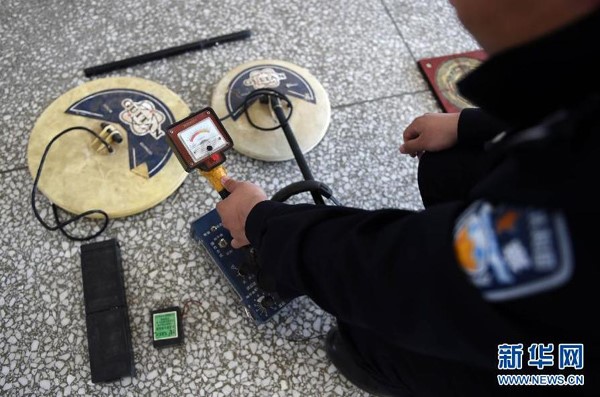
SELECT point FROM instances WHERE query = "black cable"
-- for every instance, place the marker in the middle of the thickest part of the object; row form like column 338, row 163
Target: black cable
column 289, row 134
column 60, row 225
column 250, row 98
column 299, row 187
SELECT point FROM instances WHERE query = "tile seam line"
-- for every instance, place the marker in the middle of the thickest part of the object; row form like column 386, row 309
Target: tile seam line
column 20, row 168
column 389, row 14
column 345, row 105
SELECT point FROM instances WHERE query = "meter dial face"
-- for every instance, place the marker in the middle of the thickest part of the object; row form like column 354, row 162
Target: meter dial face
column 202, row 139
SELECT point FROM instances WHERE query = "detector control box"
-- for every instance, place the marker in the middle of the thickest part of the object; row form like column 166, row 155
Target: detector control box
column 234, row 264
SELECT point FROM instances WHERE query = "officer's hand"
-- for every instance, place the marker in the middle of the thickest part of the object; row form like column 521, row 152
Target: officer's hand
column 235, row 209
column 430, row 132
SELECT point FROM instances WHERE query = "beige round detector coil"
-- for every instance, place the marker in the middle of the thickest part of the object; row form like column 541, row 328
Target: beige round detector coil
column 79, row 174
column 311, row 108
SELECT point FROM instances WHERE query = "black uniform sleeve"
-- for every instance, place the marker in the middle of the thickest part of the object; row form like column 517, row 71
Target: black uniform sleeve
column 391, row 271
column 475, row 127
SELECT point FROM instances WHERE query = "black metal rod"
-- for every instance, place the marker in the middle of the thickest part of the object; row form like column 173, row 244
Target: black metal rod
column 167, row 52
column 291, row 138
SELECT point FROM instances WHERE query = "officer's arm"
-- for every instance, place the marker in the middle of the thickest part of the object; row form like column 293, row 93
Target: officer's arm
column 391, row 271
column 475, row 127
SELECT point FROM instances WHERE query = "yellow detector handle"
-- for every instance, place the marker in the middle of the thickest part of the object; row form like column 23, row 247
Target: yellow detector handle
column 214, row 178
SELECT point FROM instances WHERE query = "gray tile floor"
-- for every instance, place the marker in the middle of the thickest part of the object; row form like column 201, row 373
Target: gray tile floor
column 363, row 52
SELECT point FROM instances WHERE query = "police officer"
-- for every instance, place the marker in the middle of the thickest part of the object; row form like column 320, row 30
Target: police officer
column 496, row 275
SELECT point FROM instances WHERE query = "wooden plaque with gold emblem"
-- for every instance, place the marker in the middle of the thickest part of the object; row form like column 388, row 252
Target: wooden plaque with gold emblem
column 442, row 74
column 80, row 174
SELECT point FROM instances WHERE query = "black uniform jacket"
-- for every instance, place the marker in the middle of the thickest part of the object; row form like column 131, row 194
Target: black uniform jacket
column 515, row 262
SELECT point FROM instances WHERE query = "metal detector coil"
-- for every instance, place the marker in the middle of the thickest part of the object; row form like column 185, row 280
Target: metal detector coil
column 312, row 110
column 79, row 174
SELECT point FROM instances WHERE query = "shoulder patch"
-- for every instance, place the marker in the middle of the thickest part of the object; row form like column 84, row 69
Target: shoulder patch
column 512, row 252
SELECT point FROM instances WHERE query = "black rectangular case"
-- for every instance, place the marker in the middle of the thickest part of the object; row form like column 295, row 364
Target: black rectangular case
column 107, row 321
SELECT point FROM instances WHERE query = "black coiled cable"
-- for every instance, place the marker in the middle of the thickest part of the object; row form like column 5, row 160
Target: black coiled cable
column 60, row 225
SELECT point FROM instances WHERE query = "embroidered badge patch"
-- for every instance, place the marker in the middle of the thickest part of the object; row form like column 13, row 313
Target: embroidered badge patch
column 512, row 252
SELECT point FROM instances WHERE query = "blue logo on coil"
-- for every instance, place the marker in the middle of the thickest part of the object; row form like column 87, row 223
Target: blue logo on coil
column 142, row 115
